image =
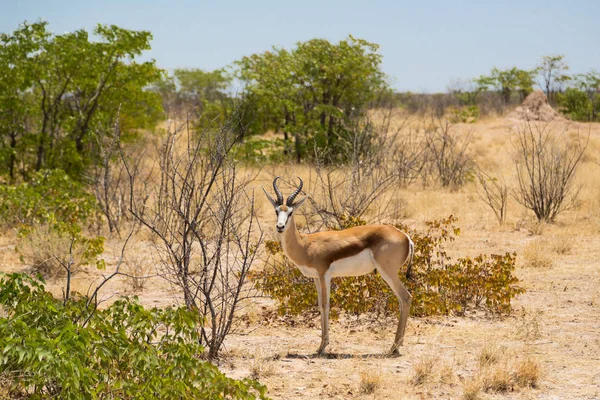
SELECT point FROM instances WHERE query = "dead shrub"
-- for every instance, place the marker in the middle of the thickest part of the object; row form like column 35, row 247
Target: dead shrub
column 370, row 381
column 50, row 252
column 546, row 162
column 135, row 271
column 448, row 154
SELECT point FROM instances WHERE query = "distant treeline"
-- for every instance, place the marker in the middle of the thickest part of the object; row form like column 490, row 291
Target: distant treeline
column 62, row 97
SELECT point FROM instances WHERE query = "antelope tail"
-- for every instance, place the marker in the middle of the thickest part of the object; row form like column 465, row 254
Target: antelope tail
column 411, row 254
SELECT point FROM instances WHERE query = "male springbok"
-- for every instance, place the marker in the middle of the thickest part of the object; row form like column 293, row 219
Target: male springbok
column 350, row 252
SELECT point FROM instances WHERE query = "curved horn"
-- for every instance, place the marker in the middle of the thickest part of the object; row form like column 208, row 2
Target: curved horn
column 277, row 191
column 290, row 200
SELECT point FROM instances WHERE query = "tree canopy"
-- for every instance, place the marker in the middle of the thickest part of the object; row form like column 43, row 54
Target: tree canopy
column 313, row 92
column 60, row 94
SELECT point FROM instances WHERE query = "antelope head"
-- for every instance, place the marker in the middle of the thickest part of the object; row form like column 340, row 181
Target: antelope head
column 284, row 211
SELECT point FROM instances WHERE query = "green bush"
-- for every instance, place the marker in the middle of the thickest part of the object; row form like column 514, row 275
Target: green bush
column 67, row 351
column 439, row 284
column 465, row 115
column 578, row 105
column 50, row 197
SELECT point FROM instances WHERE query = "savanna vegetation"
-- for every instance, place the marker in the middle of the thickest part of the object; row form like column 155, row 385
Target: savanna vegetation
column 115, row 173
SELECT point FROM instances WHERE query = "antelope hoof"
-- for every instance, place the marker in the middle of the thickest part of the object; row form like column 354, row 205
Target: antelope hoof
column 394, row 351
column 321, row 350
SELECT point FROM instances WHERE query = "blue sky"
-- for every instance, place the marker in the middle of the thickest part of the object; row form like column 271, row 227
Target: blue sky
column 425, row 44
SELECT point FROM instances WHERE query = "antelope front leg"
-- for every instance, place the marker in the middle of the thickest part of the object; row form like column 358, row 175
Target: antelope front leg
column 323, row 284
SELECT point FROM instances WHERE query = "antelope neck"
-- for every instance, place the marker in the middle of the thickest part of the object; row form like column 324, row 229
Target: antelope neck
column 292, row 243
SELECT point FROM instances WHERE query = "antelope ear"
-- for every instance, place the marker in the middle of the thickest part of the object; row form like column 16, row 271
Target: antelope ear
column 299, row 202
column 273, row 202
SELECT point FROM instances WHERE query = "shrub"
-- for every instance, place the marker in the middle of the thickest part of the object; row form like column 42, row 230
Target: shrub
column 546, row 164
column 51, row 252
column 439, row 285
column 50, row 212
column 465, row 115
column 50, row 197
column 55, row 350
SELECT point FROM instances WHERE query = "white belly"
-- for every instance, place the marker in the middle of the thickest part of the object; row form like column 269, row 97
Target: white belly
column 309, row 272
column 357, row 265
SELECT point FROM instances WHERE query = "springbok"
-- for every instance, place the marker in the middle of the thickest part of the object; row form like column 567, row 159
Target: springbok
column 350, row 252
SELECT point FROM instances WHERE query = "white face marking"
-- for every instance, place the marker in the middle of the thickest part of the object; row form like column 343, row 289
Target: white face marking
column 359, row 264
column 282, row 217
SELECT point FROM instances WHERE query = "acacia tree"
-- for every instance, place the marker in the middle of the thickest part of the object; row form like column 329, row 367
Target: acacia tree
column 313, row 92
column 58, row 89
column 552, row 71
column 508, row 81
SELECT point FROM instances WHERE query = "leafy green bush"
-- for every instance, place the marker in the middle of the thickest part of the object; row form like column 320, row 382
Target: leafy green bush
column 465, row 115
column 50, row 197
column 70, row 351
column 578, row 105
column 439, row 285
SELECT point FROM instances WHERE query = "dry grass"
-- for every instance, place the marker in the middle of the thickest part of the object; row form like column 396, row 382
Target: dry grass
column 471, row 390
column 529, row 326
column 561, row 244
column 261, row 367
column 48, row 252
column 527, row 373
column 423, row 370
column 496, row 379
column 490, row 354
column 370, row 381
column 536, row 254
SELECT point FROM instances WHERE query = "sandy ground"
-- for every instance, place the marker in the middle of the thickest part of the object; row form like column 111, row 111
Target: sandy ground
column 556, row 323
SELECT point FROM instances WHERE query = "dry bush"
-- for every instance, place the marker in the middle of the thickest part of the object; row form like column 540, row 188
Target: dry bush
column 135, row 272
column 370, row 381
column 527, row 373
column 536, row 255
column 494, row 192
column 562, row 244
column 203, row 221
column 546, row 162
column 52, row 253
column 423, row 370
column 448, row 155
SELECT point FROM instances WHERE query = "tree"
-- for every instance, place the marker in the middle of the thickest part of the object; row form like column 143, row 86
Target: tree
column 551, row 69
column 313, row 92
column 203, row 93
column 60, row 92
column 508, row 81
column 581, row 101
